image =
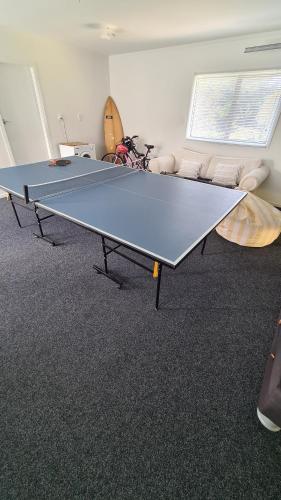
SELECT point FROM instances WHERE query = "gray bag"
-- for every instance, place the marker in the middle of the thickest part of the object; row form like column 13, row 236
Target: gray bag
column 270, row 396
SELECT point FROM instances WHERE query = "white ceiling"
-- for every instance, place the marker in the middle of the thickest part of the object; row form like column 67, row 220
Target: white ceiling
column 141, row 24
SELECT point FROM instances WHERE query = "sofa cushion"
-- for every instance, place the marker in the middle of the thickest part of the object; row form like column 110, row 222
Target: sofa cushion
column 162, row 164
column 226, row 174
column 187, row 154
column 167, row 163
column 189, row 168
column 246, row 165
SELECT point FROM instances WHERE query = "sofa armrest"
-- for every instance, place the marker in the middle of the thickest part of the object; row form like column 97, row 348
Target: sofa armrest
column 253, row 180
column 162, row 163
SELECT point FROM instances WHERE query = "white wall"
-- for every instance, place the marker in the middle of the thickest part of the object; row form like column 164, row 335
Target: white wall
column 152, row 90
column 72, row 81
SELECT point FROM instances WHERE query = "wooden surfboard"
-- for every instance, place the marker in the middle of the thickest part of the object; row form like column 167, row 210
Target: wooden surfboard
column 113, row 129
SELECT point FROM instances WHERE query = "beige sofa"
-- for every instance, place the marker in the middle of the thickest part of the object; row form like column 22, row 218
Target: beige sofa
column 252, row 171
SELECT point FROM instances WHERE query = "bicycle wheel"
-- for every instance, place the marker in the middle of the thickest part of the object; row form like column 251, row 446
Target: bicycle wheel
column 113, row 158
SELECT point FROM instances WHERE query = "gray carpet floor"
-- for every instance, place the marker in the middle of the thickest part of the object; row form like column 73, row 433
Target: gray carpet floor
column 104, row 398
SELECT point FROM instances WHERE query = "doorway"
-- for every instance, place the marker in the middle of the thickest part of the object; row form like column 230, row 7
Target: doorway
column 23, row 128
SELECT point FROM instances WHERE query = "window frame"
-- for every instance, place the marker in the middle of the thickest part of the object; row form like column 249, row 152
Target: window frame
column 273, row 122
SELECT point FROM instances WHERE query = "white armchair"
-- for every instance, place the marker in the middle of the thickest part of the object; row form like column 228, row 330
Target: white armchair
column 252, row 171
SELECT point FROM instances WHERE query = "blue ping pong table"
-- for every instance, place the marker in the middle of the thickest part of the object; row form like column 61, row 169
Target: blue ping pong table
column 161, row 217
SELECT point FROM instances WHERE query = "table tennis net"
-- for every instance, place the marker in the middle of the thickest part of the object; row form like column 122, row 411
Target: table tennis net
column 37, row 192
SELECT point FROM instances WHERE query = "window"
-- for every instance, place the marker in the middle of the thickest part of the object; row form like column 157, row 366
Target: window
column 235, row 108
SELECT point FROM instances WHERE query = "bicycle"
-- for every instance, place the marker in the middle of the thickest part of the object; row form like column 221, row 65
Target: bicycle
column 127, row 154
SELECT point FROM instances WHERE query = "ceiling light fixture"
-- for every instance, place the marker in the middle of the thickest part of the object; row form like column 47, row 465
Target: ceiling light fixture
column 109, row 33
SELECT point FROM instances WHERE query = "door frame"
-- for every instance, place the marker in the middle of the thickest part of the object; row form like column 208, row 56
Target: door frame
column 42, row 116
column 6, row 142
column 41, row 108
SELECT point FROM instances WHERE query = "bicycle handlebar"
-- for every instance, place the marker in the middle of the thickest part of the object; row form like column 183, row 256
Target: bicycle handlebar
column 129, row 143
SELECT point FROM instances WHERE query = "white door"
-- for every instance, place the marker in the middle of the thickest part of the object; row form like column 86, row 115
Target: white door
column 6, row 155
column 20, row 116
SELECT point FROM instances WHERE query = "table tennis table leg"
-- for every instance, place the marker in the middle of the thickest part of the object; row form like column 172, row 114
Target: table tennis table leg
column 105, row 271
column 42, row 236
column 15, row 210
column 39, row 223
column 204, row 244
column 158, row 286
column 104, row 254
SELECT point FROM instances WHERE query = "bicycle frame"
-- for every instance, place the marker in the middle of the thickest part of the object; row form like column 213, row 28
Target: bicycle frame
column 129, row 155
column 140, row 158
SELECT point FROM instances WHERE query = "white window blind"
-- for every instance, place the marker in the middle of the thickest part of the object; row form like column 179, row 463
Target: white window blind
column 235, row 108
